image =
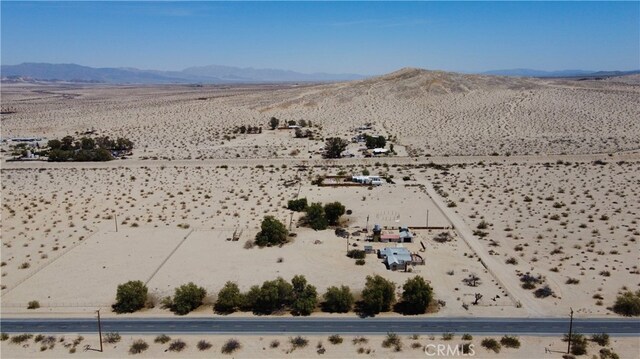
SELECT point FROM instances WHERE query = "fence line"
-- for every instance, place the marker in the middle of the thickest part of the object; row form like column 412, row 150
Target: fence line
column 49, row 262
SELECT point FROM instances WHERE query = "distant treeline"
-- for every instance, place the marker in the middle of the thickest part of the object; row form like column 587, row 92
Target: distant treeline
column 87, row 149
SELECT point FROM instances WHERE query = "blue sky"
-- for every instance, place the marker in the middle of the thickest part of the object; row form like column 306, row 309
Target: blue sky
column 335, row 37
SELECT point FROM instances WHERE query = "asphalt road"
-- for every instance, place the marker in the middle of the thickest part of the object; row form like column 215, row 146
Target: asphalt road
column 538, row 326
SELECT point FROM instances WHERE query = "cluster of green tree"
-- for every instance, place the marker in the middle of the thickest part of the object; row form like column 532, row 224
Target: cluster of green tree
column 86, row 148
column 320, row 217
column 334, row 146
column 248, row 129
column 298, row 297
column 132, row 296
column 301, row 298
column 375, row 142
column 275, row 122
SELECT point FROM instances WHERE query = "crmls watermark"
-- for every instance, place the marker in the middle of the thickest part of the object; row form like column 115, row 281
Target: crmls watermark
column 449, row 350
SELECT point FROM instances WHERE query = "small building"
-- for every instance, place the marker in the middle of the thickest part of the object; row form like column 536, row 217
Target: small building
column 368, row 249
column 379, row 151
column 389, row 237
column 405, row 235
column 369, row 180
column 399, row 257
column 395, row 257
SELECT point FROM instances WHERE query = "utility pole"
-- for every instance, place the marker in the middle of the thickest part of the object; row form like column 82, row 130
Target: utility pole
column 367, row 226
column 291, row 221
column 427, row 219
column 99, row 329
column 115, row 218
column 570, row 328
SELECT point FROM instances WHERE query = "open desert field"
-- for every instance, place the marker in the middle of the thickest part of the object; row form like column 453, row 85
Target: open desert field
column 426, row 112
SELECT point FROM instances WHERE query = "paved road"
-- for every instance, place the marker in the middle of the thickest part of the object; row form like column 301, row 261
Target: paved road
column 538, row 326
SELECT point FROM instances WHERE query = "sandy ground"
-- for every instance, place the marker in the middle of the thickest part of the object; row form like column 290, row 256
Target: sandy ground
column 260, row 347
column 192, row 183
column 429, row 113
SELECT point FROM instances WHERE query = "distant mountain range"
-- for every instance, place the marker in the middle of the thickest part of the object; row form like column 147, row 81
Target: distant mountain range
column 216, row 74
column 563, row 73
column 213, row 74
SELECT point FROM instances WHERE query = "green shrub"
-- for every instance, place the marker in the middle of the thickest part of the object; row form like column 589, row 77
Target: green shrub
column 378, row 295
column 272, row 232
column 130, row 297
column 297, row 205
column 338, row 300
column 188, row 297
column 360, row 262
column 356, row 254
column 628, row 304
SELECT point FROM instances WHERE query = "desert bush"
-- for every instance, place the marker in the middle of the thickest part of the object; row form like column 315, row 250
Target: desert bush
column 177, row 346
column 392, row 340
column 467, row 336
column 274, row 343
column 512, row 260
column 572, row 281
column 602, row 339
column 356, row 254
column 230, row 346
column 21, row 338
column 606, row 353
column 628, row 304
column 335, row 339
column 360, row 262
column 111, row 338
column 203, row 345
column 34, row 304
column 4, row 336
column 298, row 342
column 543, row 292
column 162, row 339
column 491, row 344
column 359, row 340
column 138, row 347
column 510, row 341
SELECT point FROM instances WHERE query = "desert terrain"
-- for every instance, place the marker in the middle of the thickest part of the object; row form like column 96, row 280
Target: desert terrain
column 526, row 176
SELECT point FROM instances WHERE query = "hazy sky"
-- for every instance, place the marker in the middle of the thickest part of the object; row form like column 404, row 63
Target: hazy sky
column 354, row 37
